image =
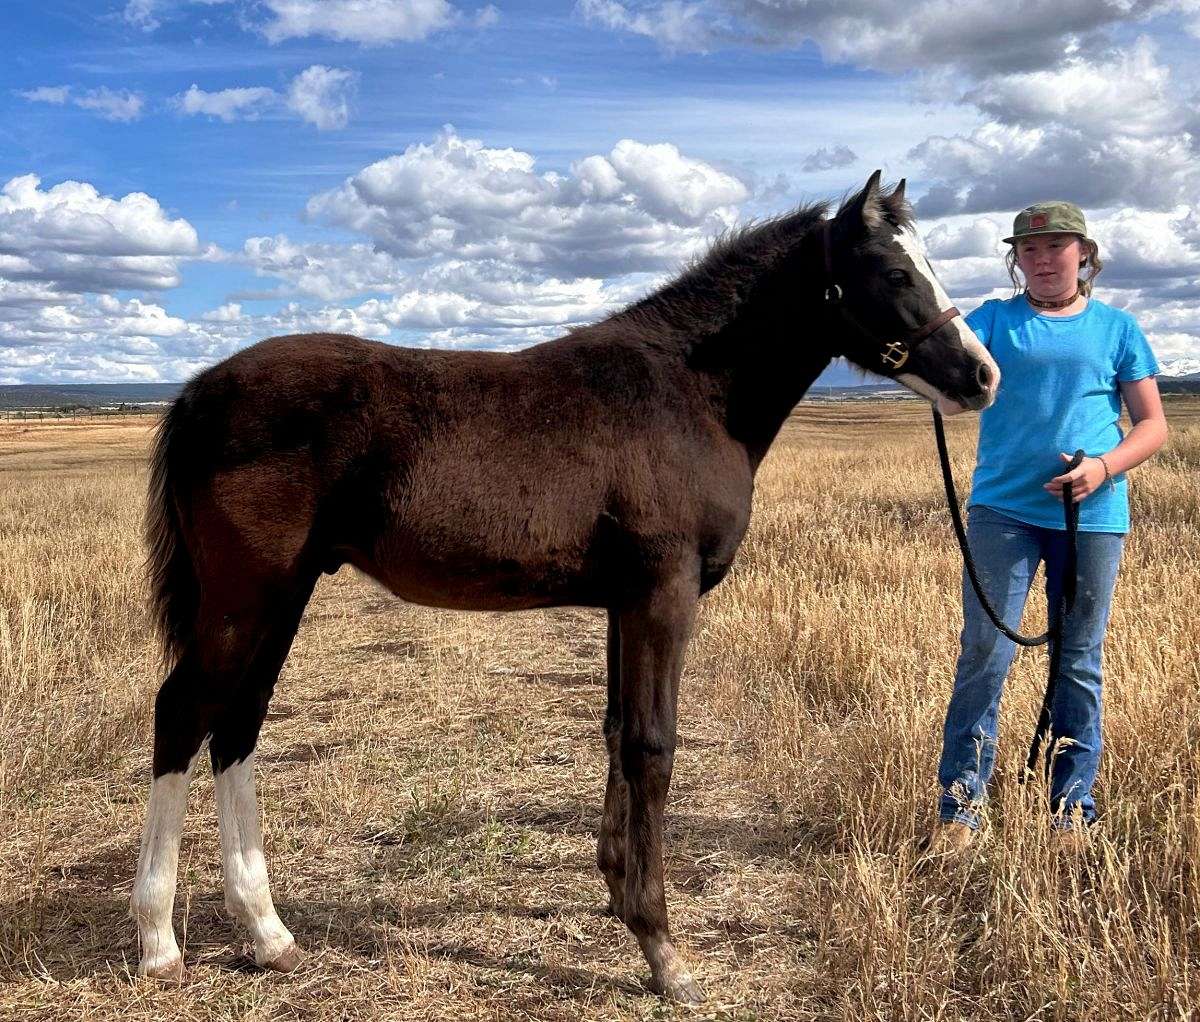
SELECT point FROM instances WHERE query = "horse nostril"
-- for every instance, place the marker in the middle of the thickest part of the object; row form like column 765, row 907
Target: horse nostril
column 983, row 375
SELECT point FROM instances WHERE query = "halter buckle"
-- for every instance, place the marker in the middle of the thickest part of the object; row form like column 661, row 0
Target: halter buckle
column 833, row 294
column 894, row 355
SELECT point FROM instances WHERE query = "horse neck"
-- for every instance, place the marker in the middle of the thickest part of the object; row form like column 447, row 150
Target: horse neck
column 769, row 354
column 760, row 403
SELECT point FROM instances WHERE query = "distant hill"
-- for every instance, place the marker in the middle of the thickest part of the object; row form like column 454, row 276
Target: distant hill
column 861, row 392
column 85, row 395
column 1189, row 384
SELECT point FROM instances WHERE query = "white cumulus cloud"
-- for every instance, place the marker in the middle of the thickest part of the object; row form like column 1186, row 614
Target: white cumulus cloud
column 999, row 167
column 369, row 22
column 977, row 237
column 1144, row 248
column 230, row 312
column 323, row 270
column 690, row 27
column 321, row 95
column 829, row 158
column 56, row 94
column 111, row 104
column 640, row 207
column 142, row 14
column 977, row 36
column 1125, row 92
column 227, row 104
column 74, row 237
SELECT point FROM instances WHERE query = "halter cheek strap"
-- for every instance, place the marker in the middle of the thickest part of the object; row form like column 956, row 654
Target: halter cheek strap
column 893, row 354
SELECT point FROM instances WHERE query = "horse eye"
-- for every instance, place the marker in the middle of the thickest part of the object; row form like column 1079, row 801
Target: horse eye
column 898, row 277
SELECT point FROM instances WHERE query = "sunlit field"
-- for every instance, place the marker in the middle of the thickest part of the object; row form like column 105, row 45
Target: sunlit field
column 432, row 781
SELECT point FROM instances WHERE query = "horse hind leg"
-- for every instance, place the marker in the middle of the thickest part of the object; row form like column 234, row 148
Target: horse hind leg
column 234, row 739
column 247, row 887
column 219, row 687
column 181, row 722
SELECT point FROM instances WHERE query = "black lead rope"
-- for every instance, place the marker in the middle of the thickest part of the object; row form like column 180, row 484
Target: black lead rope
column 1056, row 614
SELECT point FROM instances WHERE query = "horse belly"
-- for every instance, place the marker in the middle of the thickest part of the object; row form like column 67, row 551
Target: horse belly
column 430, row 566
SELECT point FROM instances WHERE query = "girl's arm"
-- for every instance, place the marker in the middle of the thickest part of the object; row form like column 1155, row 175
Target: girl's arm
column 1149, row 425
column 1147, row 436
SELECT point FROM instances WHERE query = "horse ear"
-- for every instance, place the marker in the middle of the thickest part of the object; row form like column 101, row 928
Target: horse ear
column 865, row 208
column 898, row 194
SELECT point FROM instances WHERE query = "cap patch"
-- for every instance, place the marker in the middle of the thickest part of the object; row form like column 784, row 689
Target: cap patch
column 1037, row 221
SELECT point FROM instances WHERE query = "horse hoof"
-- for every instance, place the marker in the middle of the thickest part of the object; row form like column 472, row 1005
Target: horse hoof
column 287, row 960
column 681, row 988
column 168, row 972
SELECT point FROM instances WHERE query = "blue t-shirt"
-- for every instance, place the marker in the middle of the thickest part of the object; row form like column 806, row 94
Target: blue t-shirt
column 1058, row 392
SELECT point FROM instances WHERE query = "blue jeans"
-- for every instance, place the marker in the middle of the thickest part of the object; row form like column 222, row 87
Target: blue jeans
column 1007, row 553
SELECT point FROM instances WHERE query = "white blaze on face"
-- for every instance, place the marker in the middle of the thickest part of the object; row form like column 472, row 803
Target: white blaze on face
column 914, row 248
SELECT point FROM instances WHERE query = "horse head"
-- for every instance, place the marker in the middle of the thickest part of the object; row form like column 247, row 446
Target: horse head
column 891, row 314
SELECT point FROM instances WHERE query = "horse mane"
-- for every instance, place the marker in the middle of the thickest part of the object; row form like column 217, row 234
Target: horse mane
column 705, row 296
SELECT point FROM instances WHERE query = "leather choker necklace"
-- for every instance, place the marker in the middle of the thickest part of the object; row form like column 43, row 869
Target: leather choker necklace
column 1038, row 303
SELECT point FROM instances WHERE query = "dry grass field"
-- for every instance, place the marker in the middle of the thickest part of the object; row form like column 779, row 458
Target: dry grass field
column 432, row 781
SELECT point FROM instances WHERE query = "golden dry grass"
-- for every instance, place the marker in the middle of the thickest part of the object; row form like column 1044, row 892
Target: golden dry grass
column 432, row 781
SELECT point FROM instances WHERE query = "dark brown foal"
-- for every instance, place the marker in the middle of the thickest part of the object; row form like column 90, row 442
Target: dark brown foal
column 611, row 468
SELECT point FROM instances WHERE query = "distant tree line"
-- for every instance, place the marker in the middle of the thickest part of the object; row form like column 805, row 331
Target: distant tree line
column 76, row 411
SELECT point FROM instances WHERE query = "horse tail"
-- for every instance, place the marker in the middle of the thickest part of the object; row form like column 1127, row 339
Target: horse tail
column 174, row 586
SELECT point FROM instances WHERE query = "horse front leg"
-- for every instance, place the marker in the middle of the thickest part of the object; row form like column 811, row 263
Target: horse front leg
column 610, row 846
column 653, row 636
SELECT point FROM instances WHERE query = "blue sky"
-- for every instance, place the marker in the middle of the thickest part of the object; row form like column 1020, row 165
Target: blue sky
column 181, row 178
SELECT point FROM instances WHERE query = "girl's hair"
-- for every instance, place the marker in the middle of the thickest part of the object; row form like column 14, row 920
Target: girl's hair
column 1091, row 261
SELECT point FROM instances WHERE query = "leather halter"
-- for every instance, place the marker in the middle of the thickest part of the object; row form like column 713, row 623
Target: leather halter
column 893, row 354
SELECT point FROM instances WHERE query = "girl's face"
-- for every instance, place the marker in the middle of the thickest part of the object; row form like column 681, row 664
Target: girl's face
column 1050, row 263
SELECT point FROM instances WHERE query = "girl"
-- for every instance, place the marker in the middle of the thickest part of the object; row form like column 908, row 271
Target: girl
column 1066, row 362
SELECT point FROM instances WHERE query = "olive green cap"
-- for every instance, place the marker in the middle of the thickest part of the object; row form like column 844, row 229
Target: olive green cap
column 1048, row 218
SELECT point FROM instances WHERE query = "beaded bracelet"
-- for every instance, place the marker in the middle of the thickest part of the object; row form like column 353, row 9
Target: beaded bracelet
column 1107, row 475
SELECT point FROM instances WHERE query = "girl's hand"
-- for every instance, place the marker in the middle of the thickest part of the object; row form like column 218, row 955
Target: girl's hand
column 1085, row 479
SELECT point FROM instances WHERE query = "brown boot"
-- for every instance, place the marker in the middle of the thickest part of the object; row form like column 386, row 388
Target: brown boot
column 1071, row 841
column 947, row 840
